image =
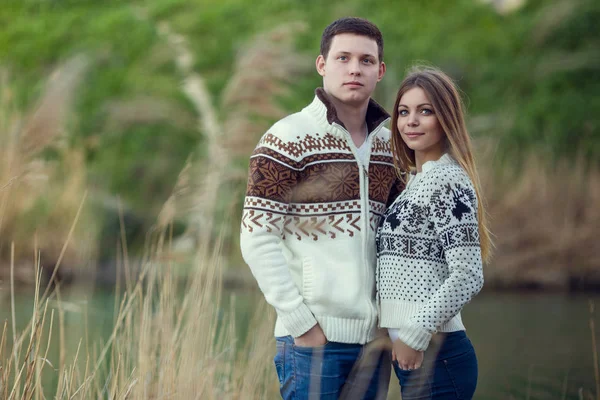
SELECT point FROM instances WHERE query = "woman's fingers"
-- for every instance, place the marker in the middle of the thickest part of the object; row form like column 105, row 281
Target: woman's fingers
column 405, row 365
column 410, row 365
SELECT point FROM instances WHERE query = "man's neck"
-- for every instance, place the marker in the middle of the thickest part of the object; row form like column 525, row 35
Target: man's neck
column 353, row 117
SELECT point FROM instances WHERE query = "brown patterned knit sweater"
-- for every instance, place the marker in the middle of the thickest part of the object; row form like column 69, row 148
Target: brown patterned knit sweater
column 309, row 221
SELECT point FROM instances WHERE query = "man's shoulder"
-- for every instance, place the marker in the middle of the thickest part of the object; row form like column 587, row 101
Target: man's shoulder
column 290, row 135
column 293, row 125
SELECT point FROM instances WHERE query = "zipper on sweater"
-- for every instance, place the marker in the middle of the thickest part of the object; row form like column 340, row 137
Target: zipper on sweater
column 367, row 209
column 364, row 202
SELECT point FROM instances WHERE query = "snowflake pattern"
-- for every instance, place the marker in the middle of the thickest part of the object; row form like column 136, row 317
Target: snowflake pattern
column 428, row 247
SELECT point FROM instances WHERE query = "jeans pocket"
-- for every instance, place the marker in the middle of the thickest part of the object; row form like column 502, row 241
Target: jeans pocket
column 310, row 348
column 279, row 361
column 462, row 371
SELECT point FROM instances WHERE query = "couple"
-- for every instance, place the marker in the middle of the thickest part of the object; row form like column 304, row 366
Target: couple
column 356, row 233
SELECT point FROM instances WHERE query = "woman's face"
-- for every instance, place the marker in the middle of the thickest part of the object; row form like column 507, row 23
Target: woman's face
column 419, row 127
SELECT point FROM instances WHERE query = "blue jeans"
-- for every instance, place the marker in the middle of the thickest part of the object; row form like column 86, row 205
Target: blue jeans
column 333, row 371
column 449, row 370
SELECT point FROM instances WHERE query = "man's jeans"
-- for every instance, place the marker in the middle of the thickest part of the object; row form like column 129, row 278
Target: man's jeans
column 333, row 371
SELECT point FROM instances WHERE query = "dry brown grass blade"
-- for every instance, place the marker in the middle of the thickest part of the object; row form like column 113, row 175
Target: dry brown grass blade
column 4, row 372
column 505, row 6
column 47, row 123
column 552, row 15
column 594, row 349
column 28, row 179
column 121, row 114
column 179, row 202
column 62, row 252
column 263, row 71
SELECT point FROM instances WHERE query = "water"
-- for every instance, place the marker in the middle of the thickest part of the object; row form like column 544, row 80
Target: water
column 529, row 346
column 536, row 346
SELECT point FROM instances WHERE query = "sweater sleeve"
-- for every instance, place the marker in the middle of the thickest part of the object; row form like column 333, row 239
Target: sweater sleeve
column 272, row 177
column 453, row 214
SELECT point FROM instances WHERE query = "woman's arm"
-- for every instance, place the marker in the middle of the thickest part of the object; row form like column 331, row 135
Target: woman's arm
column 453, row 213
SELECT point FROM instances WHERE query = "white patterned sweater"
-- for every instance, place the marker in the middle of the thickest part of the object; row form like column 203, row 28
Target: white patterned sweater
column 429, row 257
column 310, row 215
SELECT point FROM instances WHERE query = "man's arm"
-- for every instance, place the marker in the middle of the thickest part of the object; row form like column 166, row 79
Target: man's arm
column 397, row 188
column 271, row 181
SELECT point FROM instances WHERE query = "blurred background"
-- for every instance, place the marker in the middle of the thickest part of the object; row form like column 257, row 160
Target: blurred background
column 125, row 131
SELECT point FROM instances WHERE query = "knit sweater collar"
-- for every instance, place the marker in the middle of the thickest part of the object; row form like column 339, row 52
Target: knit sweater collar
column 429, row 165
column 444, row 159
column 322, row 108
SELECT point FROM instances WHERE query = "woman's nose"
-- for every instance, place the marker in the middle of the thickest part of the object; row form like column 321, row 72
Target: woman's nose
column 413, row 120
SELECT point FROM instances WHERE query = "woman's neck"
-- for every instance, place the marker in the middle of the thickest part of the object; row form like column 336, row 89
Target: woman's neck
column 421, row 157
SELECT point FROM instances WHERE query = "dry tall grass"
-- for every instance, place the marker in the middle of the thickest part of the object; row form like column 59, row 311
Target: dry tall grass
column 42, row 178
column 163, row 346
column 168, row 345
column 545, row 218
column 262, row 72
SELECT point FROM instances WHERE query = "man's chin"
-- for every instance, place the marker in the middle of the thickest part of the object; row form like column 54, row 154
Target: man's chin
column 354, row 98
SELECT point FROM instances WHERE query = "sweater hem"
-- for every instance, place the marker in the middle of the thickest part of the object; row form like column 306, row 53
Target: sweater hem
column 399, row 315
column 298, row 321
column 337, row 329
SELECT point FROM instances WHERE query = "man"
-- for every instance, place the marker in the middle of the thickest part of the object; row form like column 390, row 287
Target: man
column 318, row 184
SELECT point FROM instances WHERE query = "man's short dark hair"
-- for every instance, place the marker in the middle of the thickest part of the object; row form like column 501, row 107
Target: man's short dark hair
column 356, row 26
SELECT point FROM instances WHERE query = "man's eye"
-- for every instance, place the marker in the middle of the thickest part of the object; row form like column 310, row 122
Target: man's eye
column 342, row 58
column 368, row 61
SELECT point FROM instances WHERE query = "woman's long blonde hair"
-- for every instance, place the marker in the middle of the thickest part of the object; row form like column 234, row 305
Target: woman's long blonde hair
column 448, row 107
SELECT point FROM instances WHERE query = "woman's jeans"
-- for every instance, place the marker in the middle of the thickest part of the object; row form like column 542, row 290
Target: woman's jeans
column 333, row 371
column 449, row 370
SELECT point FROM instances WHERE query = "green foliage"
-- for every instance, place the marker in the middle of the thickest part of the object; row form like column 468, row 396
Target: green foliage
column 530, row 77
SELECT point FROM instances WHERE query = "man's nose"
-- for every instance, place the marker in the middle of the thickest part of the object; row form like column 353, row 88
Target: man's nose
column 354, row 66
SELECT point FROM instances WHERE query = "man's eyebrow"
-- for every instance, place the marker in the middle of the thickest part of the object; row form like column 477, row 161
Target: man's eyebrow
column 342, row 52
column 420, row 105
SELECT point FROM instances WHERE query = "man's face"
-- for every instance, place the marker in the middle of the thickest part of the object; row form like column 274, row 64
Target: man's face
column 352, row 68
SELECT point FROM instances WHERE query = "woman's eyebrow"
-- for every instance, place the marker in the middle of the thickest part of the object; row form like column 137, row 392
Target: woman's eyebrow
column 420, row 105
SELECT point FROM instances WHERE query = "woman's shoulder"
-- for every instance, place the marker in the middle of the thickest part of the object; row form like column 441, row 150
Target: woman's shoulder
column 444, row 172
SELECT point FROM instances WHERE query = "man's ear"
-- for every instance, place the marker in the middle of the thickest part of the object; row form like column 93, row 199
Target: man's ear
column 381, row 71
column 320, row 64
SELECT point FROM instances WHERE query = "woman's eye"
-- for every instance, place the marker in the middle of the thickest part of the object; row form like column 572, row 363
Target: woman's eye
column 426, row 111
column 403, row 112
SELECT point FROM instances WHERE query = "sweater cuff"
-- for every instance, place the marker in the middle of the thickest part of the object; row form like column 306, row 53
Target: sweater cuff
column 415, row 337
column 299, row 321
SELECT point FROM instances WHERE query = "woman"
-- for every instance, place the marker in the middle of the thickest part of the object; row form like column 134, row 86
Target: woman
column 431, row 242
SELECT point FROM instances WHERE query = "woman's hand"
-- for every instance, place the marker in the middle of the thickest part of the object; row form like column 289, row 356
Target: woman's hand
column 408, row 358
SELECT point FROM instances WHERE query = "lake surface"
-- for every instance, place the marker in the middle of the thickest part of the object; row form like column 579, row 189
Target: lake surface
column 529, row 345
